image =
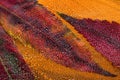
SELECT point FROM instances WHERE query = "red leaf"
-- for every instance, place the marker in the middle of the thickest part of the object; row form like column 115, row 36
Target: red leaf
column 103, row 35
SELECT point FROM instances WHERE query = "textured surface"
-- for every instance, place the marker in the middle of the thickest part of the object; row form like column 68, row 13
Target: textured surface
column 35, row 30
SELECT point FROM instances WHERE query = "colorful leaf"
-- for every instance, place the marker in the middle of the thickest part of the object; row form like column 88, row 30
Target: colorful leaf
column 48, row 34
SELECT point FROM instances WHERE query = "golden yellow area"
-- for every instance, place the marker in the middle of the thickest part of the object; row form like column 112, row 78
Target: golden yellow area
column 45, row 69
column 95, row 9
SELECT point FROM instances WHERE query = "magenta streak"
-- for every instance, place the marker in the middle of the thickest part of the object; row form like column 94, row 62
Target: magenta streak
column 102, row 35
